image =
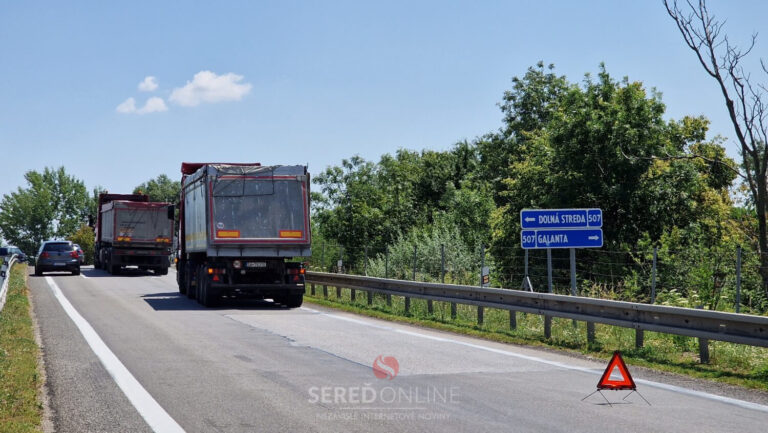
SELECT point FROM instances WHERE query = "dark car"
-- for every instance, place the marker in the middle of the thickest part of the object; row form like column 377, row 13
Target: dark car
column 20, row 256
column 80, row 254
column 57, row 256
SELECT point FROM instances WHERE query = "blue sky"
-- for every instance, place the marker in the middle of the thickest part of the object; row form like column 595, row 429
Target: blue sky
column 309, row 82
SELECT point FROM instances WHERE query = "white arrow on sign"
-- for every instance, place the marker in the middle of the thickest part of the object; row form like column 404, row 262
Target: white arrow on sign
column 593, row 238
column 529, row 219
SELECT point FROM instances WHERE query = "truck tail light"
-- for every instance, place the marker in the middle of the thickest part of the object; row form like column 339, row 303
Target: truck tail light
column 74, row 254
column 216, row 271
column 123, row 238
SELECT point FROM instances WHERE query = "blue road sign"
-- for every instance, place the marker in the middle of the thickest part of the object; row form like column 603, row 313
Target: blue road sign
column 561, row 218
column 561, row 238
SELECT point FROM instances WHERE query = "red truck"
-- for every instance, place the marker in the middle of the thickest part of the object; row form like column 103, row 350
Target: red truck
column 132, row 231
column 241, row 229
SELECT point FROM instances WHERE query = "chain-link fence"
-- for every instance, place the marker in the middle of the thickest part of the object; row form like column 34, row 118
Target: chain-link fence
column 716, row 279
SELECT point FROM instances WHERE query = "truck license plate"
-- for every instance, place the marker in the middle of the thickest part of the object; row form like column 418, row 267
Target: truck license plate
column 256, row 264
column 59, row 264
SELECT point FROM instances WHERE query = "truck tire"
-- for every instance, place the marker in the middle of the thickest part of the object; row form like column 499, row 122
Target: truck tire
column 292, row 301
column 207, row 297
column 181, row 282
column 189, row 273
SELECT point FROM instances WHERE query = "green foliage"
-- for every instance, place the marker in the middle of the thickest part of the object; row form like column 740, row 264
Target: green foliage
column 85, row 237
column 462, row 264
column 160, row 189
column 600, row 143
column 53, row 205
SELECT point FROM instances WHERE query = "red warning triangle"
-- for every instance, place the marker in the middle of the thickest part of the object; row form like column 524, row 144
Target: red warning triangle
column 626, row 381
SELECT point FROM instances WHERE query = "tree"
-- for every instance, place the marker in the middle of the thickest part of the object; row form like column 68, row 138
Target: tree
column 595, row 145
column 744, row 99
column 160, row 189
column 54, row 205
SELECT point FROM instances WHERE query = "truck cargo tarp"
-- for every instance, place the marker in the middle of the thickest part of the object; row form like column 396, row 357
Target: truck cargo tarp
column 259, row 203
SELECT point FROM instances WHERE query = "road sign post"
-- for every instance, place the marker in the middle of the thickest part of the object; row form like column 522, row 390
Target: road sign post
column 560, row 228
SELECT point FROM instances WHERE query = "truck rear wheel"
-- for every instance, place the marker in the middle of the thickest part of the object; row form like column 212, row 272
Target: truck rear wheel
column 189, row 273
column 292, row 301
column 181, row 281
column 207, row 296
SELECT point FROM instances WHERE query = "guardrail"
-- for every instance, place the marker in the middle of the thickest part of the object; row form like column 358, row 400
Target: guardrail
column 703, row 324
column 8, row 261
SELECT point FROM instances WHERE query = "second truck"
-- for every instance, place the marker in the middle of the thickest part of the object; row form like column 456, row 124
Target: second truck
column 132, row 231
column 241, row 228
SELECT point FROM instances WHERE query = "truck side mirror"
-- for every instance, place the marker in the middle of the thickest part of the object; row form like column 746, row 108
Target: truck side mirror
column 171, row 212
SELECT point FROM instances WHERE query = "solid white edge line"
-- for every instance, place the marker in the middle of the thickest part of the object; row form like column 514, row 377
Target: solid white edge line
column 158, row 419
column 673, row 388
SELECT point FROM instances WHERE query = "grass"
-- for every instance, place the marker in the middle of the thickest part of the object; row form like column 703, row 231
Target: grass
column 20, row 409
column 735, row 364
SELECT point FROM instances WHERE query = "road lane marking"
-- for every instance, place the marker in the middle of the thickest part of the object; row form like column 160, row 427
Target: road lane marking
column 158, row 419
column 673, row 388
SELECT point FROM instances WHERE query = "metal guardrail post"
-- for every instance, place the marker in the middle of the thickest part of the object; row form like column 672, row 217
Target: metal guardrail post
column 703, row 345
column 512, row 319
column 312, row 289
column 325, row 291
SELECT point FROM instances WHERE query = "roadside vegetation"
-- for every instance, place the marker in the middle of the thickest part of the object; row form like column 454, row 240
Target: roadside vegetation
column 20, row 408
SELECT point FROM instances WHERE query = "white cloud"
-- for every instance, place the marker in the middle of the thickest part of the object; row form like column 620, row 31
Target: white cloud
column 148, row 85
column 153, row 105
column 127, row 106
column 206, row 86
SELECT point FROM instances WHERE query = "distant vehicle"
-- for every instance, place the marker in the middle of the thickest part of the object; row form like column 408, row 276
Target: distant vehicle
column 132, row 231
column 57, row 256
column 80, row 254
column 11, row 250
column 240, row 227
column 19, row 253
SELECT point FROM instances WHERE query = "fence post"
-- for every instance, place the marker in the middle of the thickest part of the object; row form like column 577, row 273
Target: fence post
column 653, row 275
column 548, row 319
column 442, row 277
column 322, row 258
column 481, row 310
column 386, row 274
column 407, row 299
column 738, row 278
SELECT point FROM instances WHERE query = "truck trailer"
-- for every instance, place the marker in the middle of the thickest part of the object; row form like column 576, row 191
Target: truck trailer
column 132, row 231
column 241, row 228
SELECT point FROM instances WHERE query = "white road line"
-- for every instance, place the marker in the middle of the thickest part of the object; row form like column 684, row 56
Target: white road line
column 158, row 419
column 673, row 388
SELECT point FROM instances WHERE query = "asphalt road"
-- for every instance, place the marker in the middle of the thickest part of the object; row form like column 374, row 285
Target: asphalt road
column 250, row 366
